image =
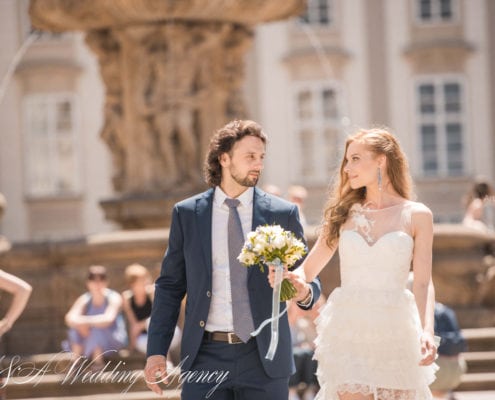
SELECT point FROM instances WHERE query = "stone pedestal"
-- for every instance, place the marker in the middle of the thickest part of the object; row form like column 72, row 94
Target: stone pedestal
column 173, row 72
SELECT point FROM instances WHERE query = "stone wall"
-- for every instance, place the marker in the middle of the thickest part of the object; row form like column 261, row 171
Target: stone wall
column 57, row 271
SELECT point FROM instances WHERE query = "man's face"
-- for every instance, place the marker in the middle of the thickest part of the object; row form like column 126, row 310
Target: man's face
column 244, row 163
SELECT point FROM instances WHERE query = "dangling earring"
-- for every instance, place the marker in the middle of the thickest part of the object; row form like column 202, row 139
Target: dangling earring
column 379, row 179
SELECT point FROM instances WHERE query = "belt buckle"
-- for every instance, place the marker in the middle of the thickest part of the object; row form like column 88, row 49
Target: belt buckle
column 231, row 338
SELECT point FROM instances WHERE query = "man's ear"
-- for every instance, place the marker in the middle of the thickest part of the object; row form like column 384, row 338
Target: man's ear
column 224, row 158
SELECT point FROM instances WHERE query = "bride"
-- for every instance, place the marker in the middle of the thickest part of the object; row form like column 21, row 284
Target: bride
column 375, row 338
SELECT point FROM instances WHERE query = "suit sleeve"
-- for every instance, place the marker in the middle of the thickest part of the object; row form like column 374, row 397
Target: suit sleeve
column 170, row 289
column 296, row 227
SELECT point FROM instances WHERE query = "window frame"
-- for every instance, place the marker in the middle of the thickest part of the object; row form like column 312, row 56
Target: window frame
column 436, row 18
column 440, row 121
column 318, row 125
column 312, row 10
column 52, row 99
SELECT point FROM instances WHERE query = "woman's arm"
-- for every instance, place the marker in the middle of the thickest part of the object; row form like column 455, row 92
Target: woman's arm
column 315, row 261
column 21, row 291
column 75, row 315
column 423, row 289
column 317, row 258
column 109, row 316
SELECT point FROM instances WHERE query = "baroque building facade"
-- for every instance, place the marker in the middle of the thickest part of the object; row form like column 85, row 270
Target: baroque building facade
column 423, row 68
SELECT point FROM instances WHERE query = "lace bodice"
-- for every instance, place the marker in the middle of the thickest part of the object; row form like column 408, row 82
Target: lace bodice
column 376, row 247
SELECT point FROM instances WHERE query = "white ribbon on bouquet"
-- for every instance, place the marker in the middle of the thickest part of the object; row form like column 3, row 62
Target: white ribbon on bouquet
column 276, row 314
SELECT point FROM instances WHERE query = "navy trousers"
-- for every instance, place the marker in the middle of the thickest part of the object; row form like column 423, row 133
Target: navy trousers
column 225, row 371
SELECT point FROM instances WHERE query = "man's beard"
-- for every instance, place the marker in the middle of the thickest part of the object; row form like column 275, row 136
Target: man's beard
column 245, row 181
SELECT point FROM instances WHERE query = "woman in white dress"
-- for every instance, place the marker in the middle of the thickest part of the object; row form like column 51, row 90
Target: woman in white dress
column 375, row 338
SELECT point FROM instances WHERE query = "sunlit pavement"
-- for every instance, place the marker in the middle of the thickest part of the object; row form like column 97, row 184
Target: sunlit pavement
column 484, row 395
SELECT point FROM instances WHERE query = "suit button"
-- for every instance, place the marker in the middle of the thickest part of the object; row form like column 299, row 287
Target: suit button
column 202, row 324
column 208, row 293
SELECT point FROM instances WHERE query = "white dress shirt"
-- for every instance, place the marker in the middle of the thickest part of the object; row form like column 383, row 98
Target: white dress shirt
column 220, row 313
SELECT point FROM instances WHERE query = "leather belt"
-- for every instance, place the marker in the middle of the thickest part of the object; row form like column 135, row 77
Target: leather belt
column 228, row 337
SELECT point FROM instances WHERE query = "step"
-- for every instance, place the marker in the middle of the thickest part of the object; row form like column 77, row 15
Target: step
column 60, row 385
column 480, row 339
column 477, row 395
column 61, row 362
column 477, row 381
column 117, row 381
column 480, row 361
column 171, row 394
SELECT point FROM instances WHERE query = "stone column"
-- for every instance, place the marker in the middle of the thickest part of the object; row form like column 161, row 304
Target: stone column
column 173, row 73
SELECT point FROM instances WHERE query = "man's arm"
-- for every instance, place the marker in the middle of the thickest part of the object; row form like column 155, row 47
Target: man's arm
column 170, row 288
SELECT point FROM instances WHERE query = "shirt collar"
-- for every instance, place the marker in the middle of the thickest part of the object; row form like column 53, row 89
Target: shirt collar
column 245, row 198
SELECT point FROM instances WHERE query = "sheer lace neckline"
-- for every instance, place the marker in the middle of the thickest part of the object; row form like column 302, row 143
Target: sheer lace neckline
column 366, row 206
column 372, row 224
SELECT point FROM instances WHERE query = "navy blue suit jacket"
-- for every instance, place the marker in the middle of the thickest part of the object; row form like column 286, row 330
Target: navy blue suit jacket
column 187, row 269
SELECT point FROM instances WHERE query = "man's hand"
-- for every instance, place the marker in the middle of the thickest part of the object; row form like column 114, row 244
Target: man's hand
column 155, row 372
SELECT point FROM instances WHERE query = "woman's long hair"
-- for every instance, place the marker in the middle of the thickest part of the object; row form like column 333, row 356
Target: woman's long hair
column 223, row 141
column 342, row 196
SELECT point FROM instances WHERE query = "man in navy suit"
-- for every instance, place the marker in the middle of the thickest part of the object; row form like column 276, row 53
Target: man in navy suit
column 217, row 361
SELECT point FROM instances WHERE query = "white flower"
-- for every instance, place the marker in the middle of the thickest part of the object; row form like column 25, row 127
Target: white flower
column 279, row 242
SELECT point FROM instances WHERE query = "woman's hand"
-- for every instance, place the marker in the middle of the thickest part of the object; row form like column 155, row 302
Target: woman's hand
column 298, row 280
column 428, row 349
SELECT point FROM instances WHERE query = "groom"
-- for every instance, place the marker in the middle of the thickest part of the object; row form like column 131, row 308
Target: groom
column 225, row 301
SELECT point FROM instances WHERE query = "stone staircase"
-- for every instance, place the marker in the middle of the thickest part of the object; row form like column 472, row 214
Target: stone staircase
column 61, row 377
column 480, row 359
column 58, row 377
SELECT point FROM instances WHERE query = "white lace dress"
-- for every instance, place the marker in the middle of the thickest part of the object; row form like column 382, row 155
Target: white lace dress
column 369, row 330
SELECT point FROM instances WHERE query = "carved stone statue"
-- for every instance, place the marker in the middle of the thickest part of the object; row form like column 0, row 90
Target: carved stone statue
column 173, row 73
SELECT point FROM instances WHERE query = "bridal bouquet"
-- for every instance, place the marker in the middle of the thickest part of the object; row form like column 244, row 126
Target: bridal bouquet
column 271, row 244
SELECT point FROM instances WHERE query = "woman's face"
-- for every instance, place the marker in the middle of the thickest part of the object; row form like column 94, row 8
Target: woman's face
column 96, row 283
column 361, row 165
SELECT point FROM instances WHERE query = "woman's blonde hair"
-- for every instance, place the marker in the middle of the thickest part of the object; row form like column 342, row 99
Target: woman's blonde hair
column 342, row 196
column 134, row 272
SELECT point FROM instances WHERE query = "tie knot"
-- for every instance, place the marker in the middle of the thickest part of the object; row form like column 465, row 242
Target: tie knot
column 232, row 203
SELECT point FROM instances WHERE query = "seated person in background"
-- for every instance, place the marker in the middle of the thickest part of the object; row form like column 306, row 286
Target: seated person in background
column 138, row 300
column 451, row 363
column 480, row 207
column 95, row 320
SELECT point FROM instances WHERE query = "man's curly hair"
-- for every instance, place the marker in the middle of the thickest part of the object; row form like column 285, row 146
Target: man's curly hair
column 223, row 141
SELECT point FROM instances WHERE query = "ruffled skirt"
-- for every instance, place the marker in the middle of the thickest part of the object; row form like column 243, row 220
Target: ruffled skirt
column 368, row 342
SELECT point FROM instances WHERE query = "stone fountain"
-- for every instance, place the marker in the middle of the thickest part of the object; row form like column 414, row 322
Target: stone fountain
column 173, row 72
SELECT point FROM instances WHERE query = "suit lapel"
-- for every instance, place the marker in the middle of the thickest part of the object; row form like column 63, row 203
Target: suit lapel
column 204, row 207
column 261, row 209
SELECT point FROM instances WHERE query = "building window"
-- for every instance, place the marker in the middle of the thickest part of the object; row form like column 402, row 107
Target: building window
column 318, row 12
column 317, row 130
column 436, row 11
column 50, row 145
column 441, row 129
